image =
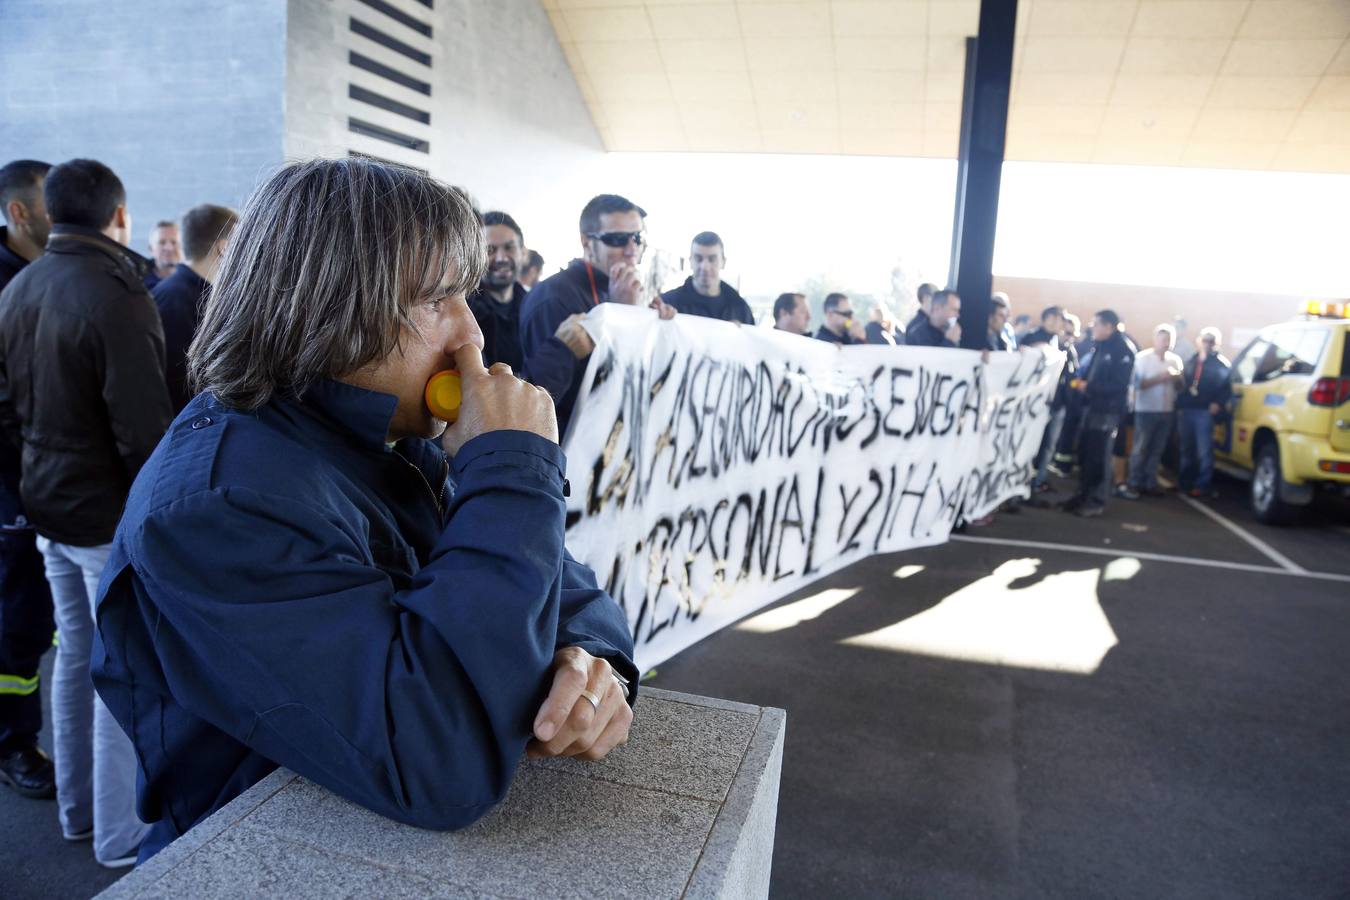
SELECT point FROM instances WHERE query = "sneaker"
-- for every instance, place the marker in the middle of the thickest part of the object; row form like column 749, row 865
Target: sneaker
column 1088, row 512
column 29, row 772
column 121, row 862
column 1058, row 471
column 1195, row 493
column 1125, row 492
column 77, row 836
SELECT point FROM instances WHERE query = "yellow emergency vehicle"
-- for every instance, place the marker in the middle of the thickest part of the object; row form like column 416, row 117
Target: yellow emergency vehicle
column 1290, row 427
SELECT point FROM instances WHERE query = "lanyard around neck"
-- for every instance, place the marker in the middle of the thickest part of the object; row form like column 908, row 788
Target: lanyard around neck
column 595, row 295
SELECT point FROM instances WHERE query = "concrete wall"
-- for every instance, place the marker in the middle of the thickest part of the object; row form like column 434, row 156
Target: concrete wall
column 1239, row 316
column 195, row 102
column 507, row 119
column 182, row 100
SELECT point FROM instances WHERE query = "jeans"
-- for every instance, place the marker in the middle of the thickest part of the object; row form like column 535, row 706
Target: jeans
column 1048, row 443
column 95, row 762
column 1151, row 431
column 1197, row 449
column 1094, row 457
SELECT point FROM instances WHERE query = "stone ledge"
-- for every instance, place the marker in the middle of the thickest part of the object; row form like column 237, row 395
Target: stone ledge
column 686, row 809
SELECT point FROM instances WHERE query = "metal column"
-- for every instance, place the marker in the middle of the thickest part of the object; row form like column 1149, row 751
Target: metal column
column 984, row 125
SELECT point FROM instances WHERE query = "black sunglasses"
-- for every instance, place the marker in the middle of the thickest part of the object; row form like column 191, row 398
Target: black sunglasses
column 846, row 313
column 618, row 238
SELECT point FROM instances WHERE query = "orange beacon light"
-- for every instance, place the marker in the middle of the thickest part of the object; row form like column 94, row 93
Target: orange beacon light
column 443, row 395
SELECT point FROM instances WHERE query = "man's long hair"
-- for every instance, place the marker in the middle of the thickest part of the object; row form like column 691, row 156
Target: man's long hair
column 327, row 260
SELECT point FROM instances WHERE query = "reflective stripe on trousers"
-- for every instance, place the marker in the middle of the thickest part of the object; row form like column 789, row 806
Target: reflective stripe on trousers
column 22, row 687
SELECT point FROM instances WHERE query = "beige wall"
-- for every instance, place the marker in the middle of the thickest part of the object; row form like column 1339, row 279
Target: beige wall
column 1239, row 316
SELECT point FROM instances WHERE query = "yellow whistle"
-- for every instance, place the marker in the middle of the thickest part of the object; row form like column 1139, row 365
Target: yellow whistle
column 443, row 395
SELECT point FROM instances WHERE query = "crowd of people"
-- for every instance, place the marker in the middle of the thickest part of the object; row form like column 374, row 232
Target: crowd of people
column 218, row 474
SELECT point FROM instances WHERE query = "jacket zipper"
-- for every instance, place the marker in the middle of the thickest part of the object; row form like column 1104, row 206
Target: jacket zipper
column 435, row 498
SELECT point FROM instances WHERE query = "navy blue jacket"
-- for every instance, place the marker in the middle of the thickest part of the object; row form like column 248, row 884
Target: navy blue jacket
column 548, row 361
column 500, row 324
column 923, row 333
column 728, row 305
column 180, row 298
column 846, row 339
column 285, row 589
column 10, row 262
column 1213, row 385
column 1109, row 376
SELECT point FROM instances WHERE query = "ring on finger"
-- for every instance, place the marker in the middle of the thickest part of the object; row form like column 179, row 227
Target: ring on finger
column 593, row 698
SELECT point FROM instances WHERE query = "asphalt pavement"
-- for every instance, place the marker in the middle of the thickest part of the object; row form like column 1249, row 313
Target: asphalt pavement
column 1149, row 704
column 930, row 754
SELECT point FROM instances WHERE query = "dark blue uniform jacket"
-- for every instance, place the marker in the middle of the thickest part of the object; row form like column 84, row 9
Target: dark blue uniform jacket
column 728, row 305
column 180, row 299
column 548, row 361
column 1109, row 375
column 285, row 589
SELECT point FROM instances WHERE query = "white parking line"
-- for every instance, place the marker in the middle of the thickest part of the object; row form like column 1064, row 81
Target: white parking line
column 1247, row 536
column 1155, row 557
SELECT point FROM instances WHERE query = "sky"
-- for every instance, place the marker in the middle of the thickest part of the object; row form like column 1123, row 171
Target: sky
column 788, row 219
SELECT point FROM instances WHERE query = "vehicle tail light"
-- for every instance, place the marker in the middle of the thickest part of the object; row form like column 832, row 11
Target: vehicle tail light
column 1329, row 392
column 1340, row 468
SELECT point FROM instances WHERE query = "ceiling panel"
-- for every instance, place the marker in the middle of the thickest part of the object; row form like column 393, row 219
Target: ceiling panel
column 1226, row 83
column 1189, row 18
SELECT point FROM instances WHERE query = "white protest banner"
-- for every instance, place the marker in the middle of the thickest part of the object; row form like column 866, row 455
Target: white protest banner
column 715, row 467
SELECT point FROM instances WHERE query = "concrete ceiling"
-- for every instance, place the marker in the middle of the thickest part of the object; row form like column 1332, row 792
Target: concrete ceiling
column 1242, row 84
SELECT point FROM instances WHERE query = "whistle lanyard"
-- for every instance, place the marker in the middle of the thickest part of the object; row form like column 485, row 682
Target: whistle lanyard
column 595, row 295
column 1195, row 382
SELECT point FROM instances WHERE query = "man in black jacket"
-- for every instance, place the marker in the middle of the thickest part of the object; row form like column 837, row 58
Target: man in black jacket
column 1105, row 389
column 942, row 326
column 555, row 344
column 1206, row 389
column 497, row 302
column 181, row 296
column 705, row 293
column 840, row 325
column 925, row 296
column 82, row 392
column 25, row 601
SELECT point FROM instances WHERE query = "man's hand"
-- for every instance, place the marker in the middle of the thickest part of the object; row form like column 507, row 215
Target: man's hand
column 568, row 724
column 496, row 400
column 663, row 309
column 858, row 331
column 953, row 334
column 624, row 284
column 577, row 339
column 1215, row 409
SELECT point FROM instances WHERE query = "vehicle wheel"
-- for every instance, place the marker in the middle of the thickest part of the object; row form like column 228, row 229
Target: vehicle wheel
column 1267, row 505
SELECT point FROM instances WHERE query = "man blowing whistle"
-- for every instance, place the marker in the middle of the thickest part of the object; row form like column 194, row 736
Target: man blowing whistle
column 312, row 571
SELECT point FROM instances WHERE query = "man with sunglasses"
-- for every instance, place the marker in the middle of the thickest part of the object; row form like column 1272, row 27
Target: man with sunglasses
column 840, row 326
column 555, row 344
